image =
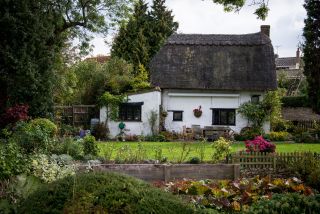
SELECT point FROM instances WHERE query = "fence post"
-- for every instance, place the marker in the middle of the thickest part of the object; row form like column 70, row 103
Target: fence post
column 275, row 162
column 236, row 171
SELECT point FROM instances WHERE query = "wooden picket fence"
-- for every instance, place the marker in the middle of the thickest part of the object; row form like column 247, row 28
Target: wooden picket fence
column 306, row 124
column 259, row 160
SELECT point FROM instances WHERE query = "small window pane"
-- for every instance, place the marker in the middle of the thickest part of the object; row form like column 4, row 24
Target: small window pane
column 231, row 118
column 177, row 116
column 223, row 116
column 216, row 120
column 255, row 98
column 129, row 112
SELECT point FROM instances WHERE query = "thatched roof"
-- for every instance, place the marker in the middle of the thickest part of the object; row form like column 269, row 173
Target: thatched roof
column 222, row 62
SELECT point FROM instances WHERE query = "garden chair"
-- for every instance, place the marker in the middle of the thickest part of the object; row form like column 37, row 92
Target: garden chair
column 187, row 133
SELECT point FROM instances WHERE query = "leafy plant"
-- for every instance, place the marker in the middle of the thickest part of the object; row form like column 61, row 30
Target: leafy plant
column 287, row 203
column 279, row 136
column 233, row 196
column 70, row 147
column 108, row 151
column 100, row 131
column 221, row 149
column 50, row 169
column 35, row 135
column 259, row 144
column 90, row 146
column 12, row 160
column 201, row 148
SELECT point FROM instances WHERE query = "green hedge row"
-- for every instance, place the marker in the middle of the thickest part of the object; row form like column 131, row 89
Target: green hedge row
column 298, row 101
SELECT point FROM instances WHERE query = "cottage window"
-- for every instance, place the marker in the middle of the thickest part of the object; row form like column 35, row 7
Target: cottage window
column 224, row 117
column 130, row 111
column 255, row 98
column 177, row 115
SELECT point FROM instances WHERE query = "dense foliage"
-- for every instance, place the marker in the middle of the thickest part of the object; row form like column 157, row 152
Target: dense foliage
column 33, row 36
column 102, row 193
column 237, row 195
column 90, row 146
column 311, row 50
column 139, row 39
column 296, row 101
column 37, row 135
column 14, row 114
column 12, row 160
column 287, row 204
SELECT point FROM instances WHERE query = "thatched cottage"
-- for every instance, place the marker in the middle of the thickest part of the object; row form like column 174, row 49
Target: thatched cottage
column 212, row 73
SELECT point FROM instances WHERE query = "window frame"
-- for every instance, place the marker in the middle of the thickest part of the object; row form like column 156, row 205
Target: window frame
column 228, row 110
column 126, row 109
column 177, row 111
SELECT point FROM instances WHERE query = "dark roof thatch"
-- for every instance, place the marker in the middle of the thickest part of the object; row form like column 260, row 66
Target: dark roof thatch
column 222, row 62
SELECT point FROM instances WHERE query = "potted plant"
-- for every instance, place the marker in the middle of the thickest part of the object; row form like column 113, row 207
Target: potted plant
column 197, row 112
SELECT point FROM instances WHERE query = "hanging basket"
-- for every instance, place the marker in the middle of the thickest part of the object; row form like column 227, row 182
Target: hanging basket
column 197, row 112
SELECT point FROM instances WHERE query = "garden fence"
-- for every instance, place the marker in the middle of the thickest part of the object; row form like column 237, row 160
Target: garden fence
column 305, row 125
column 76, row 115
column 275, row 161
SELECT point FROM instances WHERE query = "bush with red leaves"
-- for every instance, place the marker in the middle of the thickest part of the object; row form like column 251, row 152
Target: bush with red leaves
column 259, row 144
column 14, row 114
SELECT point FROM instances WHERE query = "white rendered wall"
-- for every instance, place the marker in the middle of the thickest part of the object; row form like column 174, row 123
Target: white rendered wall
column 186, row 101
column 152, row 101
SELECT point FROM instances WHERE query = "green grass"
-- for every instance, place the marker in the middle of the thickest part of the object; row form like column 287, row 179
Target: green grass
column 172, row 150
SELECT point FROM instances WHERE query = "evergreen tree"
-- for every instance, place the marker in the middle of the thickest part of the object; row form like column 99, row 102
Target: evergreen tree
column 144, row 34
column 311, row 33
column 131, row 43
column 162, row 25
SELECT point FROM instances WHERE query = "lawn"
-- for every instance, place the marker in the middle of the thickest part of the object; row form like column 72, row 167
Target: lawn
column 173, row 150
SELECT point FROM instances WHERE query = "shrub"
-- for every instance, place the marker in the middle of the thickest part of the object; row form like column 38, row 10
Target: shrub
column 287, row 204
column 102, row 193
column 49, row 169
column 301, row 136
column 279, row 136
column 100, row 131
column 307, row 168
column 90, row 146
column 249, row 133
column 259, row 144
column 45, row 126
column 67, row 130
column 194, row 160
column 69, row 146
column 36, row 135
column 12, row 161
column 296, row 101
column 222, row 148
column 156, row 138
column 14, row 114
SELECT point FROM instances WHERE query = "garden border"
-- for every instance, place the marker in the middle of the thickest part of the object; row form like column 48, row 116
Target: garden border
column 169, row 172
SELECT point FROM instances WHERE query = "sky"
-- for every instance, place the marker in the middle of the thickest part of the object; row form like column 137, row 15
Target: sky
column 286, row 18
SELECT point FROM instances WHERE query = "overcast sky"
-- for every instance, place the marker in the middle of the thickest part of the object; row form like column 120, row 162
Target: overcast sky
column 286, row 18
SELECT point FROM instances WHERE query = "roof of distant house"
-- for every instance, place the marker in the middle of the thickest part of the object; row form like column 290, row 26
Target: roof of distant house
column 215, row 61
column 286, row 62
column 99, row 58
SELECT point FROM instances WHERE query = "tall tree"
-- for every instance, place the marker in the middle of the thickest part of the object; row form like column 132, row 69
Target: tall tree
column 33, row 34
column 131, row 43
column 311, row 49
column 162, row 25
column 144, row 34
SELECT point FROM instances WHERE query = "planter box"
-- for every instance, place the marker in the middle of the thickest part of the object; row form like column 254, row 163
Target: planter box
column 164, row 172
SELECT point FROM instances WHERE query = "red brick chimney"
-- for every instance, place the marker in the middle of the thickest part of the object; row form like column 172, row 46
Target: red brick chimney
column 265, row 29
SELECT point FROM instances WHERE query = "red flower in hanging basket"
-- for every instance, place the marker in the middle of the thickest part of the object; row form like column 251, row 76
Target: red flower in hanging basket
column 197, row 112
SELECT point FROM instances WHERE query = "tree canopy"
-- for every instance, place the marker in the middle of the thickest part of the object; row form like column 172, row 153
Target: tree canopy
column 311, row 49
column 33, row 35
column 236, row 5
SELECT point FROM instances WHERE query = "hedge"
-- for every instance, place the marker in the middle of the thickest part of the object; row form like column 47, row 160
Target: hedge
column 298, row 101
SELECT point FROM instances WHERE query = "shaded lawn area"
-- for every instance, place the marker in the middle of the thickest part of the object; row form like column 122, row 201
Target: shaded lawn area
column 173, row 150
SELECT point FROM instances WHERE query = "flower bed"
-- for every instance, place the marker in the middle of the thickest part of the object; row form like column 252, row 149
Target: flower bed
column 234, row 195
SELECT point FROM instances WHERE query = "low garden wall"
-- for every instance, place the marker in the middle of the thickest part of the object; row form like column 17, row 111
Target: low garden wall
column 164, row 172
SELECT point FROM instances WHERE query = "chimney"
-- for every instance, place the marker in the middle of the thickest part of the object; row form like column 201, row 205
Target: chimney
column 298, row 58
column 265, row 29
